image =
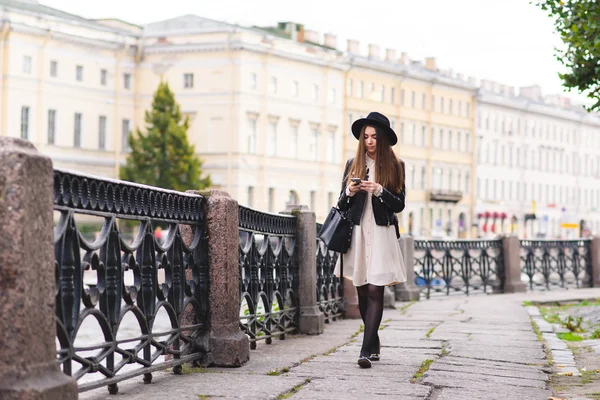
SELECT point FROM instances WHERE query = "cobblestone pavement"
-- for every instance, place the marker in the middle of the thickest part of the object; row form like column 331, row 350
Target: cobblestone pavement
column 478, row 347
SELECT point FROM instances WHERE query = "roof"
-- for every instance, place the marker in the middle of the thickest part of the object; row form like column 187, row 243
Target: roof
column 33, row 6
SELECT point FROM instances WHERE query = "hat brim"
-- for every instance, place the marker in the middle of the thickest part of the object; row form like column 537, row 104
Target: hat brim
column 388, row 131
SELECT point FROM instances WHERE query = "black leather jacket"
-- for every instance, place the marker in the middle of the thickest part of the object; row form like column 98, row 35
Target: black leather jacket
column 385, row 206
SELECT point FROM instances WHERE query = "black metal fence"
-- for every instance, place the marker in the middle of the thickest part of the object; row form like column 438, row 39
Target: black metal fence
column 102, row 283
column 268, row 275
column 330, row 289
column 458, row 266
column 556, row 263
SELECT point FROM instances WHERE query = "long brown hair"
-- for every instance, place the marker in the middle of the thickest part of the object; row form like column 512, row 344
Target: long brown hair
column 388, row 169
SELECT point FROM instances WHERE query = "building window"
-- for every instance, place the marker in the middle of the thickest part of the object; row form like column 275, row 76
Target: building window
column 402, row 133
column 459, row 108
column 271, row 200
column 330, row 200
column 273, row 85
column 188, row 81
column 349, row 88
column 433, row 103
column 53, row 68
column 77, row 131
column 103, row 77
column 468, row 109
column 468, row 141
column 331, row 147
column 314, row 143
column 413, row 99
column 331, row 96
column 51, row 126
column 125, row 132
column 272, row 139
column 313, row 196
column 26, row 64
column 458, row 141
column 361, row 89
column 24, row 122
column 423, row 177
column 467, row 183
column 450, row 106
column 393, row 95
column 402, row 93
column 253, row 81
column 423, row 135
column 442, row 105
column 250, row 196
column 293, row 144
column 79, row 73
column 251, row 144
column 295, row 89
column 102, row 132
column 424, row 101
column 127, row 80
column 315, row 92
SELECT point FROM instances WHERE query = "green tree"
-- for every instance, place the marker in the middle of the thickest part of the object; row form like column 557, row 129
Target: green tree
column 163, row 157
column 578, row 24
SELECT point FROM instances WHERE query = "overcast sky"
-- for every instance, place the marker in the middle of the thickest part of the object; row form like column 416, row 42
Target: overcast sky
column 509, row 41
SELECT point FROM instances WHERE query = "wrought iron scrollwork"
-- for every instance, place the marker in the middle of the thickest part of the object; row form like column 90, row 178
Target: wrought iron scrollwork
column 330, row 289
column 556, row 263
column 268, row 275
column 459, row 266
column 120, row 353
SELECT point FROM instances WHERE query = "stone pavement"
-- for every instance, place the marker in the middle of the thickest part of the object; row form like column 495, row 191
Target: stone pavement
column 480, row 347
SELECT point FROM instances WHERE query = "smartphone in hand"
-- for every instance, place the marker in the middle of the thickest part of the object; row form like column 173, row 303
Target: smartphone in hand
column 355, row 181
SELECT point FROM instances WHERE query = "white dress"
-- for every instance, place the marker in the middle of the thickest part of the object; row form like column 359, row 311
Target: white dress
column 374, row 256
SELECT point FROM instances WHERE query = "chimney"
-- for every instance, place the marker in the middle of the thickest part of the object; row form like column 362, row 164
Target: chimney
column 404, row 58
column 531, row 92
column 353, row 46
column 390, row 54
column 330, row 40
column 487, row 84
column 311, row 36
column 430, row 64
column 374, row 51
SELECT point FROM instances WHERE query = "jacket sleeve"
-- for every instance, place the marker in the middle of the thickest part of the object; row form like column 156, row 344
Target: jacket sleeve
column 344, row 200
column 392, row 200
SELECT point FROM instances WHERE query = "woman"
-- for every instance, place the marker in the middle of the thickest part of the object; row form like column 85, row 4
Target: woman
column 374, row 256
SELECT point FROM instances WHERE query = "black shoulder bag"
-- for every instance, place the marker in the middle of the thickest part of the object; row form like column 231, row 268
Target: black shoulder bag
column 336, row 231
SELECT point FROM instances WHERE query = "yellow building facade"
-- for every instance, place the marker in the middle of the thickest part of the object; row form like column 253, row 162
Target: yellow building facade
column 433, row 114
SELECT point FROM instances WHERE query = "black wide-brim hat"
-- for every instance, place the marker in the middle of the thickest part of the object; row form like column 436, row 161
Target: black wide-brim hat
column 377, row 120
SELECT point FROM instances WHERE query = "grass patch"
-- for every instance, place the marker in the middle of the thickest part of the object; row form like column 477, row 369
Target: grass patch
column 331, row 350
column 404, row 308
column 293, row 390
column 275, row 372
column 421, row 371
column 445, row 350
column 588, row 377
column 541, row 339
column 195, row 370
column 595, row 334
column 307, row 359
column 428, row 334
column 360, row 330
column 203, row 396
column 387, row 321
column 528, row 303
column 569, row 337
column 593, row 396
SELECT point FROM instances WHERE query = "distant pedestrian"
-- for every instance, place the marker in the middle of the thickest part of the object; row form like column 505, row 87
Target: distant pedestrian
column 373, row 191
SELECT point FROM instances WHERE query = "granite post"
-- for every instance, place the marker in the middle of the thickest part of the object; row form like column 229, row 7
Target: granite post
column 511, row 252
column 28, row 367
column 595, row 259
column 312, row 320
column 407, row 291
column 228, row 346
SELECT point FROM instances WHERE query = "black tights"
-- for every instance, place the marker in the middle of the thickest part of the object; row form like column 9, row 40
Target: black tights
column 370, row 304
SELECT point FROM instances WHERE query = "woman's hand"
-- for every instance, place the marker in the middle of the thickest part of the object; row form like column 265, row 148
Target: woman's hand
column 370, row 187
column 353, row 188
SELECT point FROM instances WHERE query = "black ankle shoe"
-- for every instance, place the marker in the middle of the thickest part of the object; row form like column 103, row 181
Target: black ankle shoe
column 376, row 356
column 364, row 362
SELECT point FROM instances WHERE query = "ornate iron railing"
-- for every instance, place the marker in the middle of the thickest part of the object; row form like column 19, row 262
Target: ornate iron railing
column 458, row 266
column 330, row 289
column 109, row 330
column 556, row 263
column 268, row 275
